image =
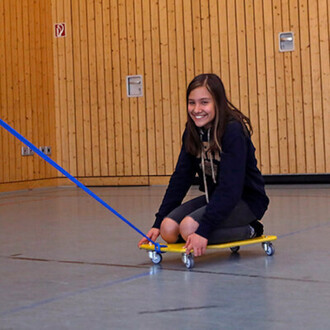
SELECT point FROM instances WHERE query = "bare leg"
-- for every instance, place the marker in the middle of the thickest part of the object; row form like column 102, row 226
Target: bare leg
column 187, row 227
column 169, row 230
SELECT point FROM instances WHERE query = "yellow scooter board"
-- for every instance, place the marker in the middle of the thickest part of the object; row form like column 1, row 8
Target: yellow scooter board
column 188, row 257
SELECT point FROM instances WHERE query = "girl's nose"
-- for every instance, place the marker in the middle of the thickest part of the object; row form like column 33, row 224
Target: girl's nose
column 197, row 108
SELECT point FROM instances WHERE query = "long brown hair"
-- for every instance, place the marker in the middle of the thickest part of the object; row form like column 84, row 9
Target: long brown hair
column 224, row 112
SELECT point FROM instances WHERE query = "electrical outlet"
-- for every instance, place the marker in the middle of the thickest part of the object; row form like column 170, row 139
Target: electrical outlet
column 46, row 150
column 26, row 151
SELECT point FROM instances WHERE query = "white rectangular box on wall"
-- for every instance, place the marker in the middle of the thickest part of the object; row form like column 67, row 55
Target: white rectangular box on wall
column 134, row 86
column 286, row 42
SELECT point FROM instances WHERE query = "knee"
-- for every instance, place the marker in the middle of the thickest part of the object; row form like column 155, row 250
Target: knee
column 187, row 227
column 169, row 230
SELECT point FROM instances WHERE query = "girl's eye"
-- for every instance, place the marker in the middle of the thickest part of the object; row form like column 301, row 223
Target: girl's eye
column 205, row 102
column 191, row 102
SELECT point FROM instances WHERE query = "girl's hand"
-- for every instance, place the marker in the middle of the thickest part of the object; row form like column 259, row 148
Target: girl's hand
column 153, row 233
column 196, row 243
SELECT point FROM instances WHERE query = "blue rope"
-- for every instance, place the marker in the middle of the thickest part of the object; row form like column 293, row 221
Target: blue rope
column 75, row 181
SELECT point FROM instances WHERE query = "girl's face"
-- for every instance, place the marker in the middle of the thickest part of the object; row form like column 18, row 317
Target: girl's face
column 201, row 107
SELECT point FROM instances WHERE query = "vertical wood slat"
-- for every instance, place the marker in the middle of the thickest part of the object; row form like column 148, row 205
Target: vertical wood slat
column 197, row 37
column 252, row 74
column 287, row 93
column 86, row 102
column 261, row 87
column 132, row 102
column 174, row 104
column 9, row 147
column 223, row 42
column 125, row 108
column 44, row 113
column 297, row 90
column 78, row 91
column 205, row 36
column 56, row 90
column 214, row 28
column 16, row 87
column 20, row 108
column 15, row 112
column 181, row 69
column 241, row 53
column 92, row 68
column 324, row 13
column 165, row 87
column 270, row 88
column 117, row 89
column 39, row 110
column 100, row 55
column 189, row 41
column 109, row 101
column 141, row 103
column 48, row 82
column 306, row 86
column 282, row 139
column 70, row 104
column 148, row 83
column 49, row 35
column 72, row 96
column 157, row 88
column 27, row 84
column 62, row 115
column 233, row 85
column 3, row 95
column 316, row 91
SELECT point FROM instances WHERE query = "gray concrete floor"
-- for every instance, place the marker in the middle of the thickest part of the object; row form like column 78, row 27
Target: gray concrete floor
column 68, row 263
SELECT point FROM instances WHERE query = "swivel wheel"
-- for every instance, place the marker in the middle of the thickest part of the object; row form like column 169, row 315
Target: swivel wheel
column 268, row 248
column 155, row 257
column 234, row 249
column 188, row 260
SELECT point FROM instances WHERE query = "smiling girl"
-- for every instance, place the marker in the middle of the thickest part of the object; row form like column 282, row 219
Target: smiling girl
column 217, row 146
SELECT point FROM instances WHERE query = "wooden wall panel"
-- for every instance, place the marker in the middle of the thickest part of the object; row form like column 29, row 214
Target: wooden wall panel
column 168, row 42
column 70, row 92
column 26, row 92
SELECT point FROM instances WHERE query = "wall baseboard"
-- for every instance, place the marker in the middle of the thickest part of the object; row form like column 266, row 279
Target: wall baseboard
column 297, row 178
column 154, row 180
column 33, row 184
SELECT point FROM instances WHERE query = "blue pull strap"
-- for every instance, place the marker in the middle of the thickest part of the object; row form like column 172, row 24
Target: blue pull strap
column 74, row 180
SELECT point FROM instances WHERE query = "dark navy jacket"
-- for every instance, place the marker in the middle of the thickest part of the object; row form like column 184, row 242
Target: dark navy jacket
column 237, row 178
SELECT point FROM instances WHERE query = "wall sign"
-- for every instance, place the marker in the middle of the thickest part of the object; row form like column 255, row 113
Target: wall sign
column 60, row 30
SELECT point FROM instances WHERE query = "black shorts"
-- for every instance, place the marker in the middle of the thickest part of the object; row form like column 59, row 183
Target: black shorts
column 235, row 227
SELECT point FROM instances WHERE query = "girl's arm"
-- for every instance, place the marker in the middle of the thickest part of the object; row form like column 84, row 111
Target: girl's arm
column 180, row 182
